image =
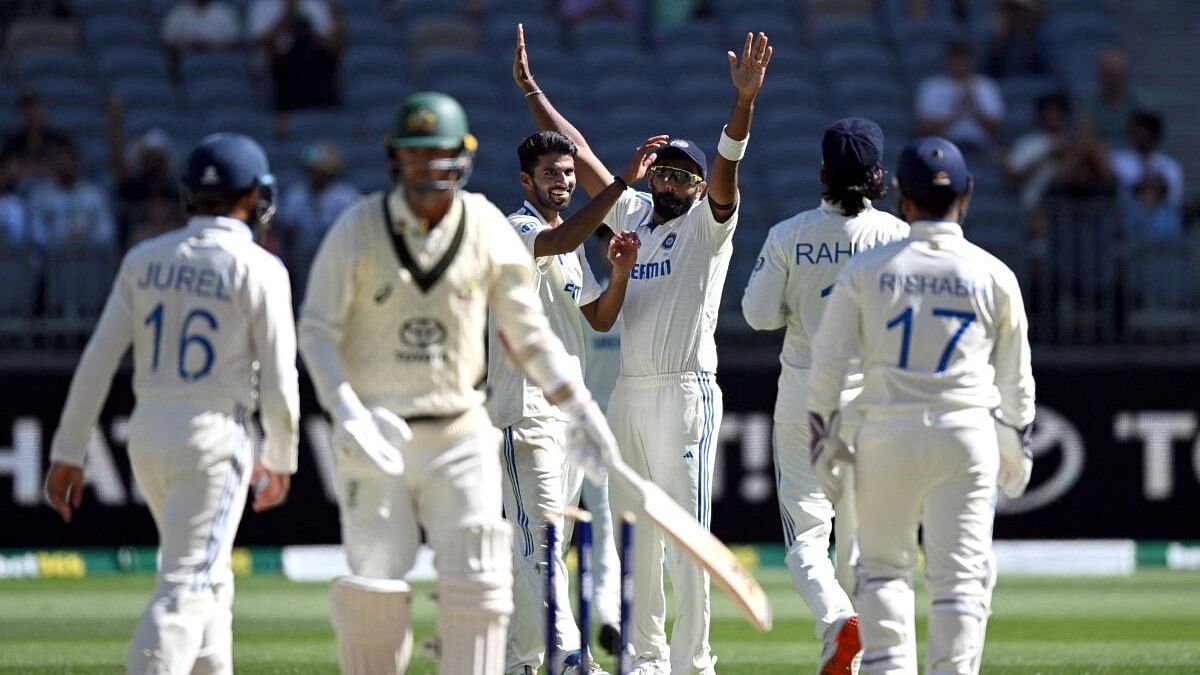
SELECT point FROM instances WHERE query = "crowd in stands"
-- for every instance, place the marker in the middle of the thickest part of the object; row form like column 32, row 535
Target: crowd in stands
column 991, row 86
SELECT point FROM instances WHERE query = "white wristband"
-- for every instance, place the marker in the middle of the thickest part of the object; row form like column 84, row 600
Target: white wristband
column 730, row 149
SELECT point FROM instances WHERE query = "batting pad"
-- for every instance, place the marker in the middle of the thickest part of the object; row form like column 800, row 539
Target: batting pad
column 475, row 599
column 371, row 619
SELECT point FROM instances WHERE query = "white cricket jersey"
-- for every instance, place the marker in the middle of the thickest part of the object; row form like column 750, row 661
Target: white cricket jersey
column 603, row 363
column 674, row 292
column 208, row 313
column 411, row 336
column 939, row 324
column 792, row 280
column 564, row 284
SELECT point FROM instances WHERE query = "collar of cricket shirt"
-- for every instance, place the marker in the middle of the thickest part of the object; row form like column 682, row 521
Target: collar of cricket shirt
column 402, row 215
column 197, row 224
column 829, row 207
column 530, row 210
column 924, row 229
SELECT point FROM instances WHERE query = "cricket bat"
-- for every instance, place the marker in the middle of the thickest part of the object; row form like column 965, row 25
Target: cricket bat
column 699, row 543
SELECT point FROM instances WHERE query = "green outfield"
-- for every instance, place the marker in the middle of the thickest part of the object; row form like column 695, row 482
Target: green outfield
column 1147, row 623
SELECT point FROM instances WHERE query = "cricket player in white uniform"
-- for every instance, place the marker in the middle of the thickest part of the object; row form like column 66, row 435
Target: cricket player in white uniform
column 791, row 282
column 393, row 330
column 940, row 328
column 538, row 478
column 208, row 313
column 666, row 408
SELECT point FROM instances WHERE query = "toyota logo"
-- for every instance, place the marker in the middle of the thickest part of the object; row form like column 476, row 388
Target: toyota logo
column 423, row 332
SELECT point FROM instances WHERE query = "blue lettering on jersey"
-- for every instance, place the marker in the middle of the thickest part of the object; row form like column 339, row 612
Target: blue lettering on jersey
column 606, row 342
column 526, row 227
column 819, row 253
column 574, row 290
column 922, row 284
column 650, row 270
column 202, row 282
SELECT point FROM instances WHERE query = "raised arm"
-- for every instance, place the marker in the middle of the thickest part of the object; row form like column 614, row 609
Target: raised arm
column 593, row 175
column 747, row 75
column 622, row 254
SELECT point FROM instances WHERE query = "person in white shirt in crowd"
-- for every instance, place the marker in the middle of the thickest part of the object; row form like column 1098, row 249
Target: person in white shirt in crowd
column 961, row 104
column 68, row 208
column 209, row 315
column 392, row 331
column 1149, row 182
column 789, row 287
column 939, row 327
column 200, row 25
column 309, row 207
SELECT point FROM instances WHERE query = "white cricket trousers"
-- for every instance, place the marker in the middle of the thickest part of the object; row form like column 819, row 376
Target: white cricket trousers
column 937, row 472
column 606, row 565
column 666, row 427
column 192, row 461
column 538, row 480
column 808, row 519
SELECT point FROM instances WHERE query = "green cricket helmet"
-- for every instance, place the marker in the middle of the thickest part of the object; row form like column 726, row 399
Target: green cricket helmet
column 430, row 119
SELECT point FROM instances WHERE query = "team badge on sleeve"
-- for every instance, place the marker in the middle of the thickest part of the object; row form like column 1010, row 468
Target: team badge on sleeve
column 669, row 241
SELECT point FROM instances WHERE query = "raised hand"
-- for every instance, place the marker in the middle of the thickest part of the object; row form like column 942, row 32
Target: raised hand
column 747, row 74
column 643, row 156
column 520, row 69
column 622, row 252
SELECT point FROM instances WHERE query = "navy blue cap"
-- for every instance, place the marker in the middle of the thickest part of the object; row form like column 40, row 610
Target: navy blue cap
column 682, row 147
column 226, row 162
column 930, row 168
column 850, row 148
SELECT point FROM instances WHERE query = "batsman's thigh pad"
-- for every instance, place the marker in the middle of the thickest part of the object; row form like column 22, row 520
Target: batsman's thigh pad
column 379, row 529
column 372, row 620
column 474, row 598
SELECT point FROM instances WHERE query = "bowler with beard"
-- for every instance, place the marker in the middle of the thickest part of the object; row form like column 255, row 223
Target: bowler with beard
column 539, row 477
column 665, row 410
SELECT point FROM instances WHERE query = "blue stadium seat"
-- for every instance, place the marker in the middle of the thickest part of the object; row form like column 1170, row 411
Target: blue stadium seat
column 845, row 31
column 541, row 32
column 78, row 277
column 454, row 61
column 118, row 61
column 119, row 29
column 311, row 125
column 18, row 280
column 857, row 58
column 66, row 90
column 780, row 26
column 50, row 63
column 1085, row 26
column 210, row 64
column 100, row 7
column 686, row 56
column 244, row 120
column 612, row 59
column 371, row 29
column 704, row 34
column 371, row 92
column 144, row 91
column 365, row 60
column 476, row 93
column 869, row 89
column 605, row 32
column 214, row 90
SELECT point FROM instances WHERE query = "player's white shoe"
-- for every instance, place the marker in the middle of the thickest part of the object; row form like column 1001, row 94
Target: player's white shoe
column 649, row 667
column 841, row 653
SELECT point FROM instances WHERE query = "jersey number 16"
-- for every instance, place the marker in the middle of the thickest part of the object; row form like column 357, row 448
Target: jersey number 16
column 187, row 341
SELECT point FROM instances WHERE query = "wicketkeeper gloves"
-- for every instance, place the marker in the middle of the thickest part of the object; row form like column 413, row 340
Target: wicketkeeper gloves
column 590, row 442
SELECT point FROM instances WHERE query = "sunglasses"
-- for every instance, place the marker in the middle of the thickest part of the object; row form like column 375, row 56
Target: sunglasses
column 678, row 176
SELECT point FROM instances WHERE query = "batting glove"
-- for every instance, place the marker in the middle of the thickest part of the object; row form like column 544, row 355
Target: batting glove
column 368, row 439
column 1016, row 458
column 829, row 454
column 590, row 442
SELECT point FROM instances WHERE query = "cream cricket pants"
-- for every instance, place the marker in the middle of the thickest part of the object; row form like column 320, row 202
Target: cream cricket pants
column 666, row 427
column 452, row 491
column 538, row 480
column 936, row 472
column 192, row 461
column 808, row 520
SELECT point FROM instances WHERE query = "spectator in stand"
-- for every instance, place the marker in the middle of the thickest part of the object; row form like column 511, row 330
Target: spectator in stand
column 310, row 206
column 66, row 207
column 12, row 207
column 1020, row 40
column 199, row 25
column 961, row 105
column 1052, row 158
column 575, row 11
column 303, row 40
column 147, row 186
column 1149, row 182
column 1110, row 112
column 30, row 146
